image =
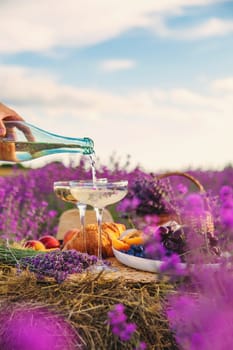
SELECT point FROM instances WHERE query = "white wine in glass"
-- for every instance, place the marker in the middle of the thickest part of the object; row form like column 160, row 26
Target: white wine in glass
column 62, row 191
column 99, row 195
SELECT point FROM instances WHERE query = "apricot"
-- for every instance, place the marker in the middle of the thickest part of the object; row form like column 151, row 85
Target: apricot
column 120, row 245
column 134, row 240
column 34, row 244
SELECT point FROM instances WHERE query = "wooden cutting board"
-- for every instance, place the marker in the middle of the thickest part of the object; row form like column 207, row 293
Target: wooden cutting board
column 130, row 274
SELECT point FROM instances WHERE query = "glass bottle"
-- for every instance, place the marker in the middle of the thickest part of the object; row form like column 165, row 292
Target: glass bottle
column 24, row 142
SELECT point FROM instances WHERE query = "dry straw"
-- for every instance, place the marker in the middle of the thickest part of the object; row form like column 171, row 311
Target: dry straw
column 84, row 301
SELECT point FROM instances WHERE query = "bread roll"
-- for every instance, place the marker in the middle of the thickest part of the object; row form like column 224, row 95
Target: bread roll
column 110, row 231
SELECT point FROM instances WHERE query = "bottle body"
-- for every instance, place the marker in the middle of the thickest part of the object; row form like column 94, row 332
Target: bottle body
column 24, row 142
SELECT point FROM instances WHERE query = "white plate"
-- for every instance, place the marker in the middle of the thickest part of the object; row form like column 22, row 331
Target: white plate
column 151, row 265
column 137, row 262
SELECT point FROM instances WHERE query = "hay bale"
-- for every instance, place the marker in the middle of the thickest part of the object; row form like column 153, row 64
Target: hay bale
column 85, row 300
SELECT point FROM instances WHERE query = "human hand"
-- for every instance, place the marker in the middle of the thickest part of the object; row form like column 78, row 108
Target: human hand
column 8, row 150
column 7, row 114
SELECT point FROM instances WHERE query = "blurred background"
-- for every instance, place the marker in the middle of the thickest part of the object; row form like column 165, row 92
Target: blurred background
column 149, row 79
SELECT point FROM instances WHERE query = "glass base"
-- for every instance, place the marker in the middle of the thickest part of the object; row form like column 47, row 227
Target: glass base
column 101, row 268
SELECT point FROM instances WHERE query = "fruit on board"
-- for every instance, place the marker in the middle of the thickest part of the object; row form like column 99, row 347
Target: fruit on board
column 120, row 245
column 136, row 250
column 70, row 234
column 49, row 242
column 34, row 244
column 131, row 233
column 133, row 240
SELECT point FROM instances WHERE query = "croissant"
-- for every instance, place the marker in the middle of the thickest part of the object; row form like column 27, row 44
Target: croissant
column 110, row 231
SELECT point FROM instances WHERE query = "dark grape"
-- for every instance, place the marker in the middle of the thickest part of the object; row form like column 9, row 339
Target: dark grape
column 172, row 238
column 136, row 250
column 167, row 240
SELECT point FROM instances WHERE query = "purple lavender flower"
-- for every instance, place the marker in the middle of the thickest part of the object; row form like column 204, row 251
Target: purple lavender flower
column 172, row 265
column 117, row 319
column 226, row 214
column 226, row 210
column 125, row 332
column 226, row 192
column 141, row 346
column 28, row 206
column 117, row 315
column 37, row 329
column 201, row 315
column 151, row 220
column 145, row 198
column 194, row 204
column 154, row 250
column 58, row 264
column 128, row 204
column 182, row 189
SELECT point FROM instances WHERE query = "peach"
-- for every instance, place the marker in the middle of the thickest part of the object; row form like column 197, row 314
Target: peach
column 49, row 242
column 34, row 244
column 70, row 234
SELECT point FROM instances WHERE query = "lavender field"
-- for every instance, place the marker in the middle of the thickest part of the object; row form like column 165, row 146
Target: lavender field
column 199, row 310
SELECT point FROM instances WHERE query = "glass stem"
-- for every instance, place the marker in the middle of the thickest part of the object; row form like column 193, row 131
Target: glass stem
column 82, row 211
column 99, row 216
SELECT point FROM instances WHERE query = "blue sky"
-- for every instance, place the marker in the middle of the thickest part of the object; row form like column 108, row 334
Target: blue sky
column 142, row 78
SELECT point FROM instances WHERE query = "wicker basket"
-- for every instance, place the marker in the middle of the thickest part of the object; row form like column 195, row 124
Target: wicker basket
column 203, row 224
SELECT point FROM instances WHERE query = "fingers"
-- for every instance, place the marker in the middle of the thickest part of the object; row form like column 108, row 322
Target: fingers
column 6, row 117
column 27, row 131
column 7, row 113
column 7, row 150
column 2, row 129
column 11, row 128
column 10, row 133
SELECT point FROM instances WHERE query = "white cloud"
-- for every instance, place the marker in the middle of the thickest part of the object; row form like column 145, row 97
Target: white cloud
column 39, row 89
column 162, row 128
column 225, row 85
column 210, row 28
column 114, row 65
column 42, row 26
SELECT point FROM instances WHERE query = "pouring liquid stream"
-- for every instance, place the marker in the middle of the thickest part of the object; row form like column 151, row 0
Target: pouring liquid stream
column 93, row 169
